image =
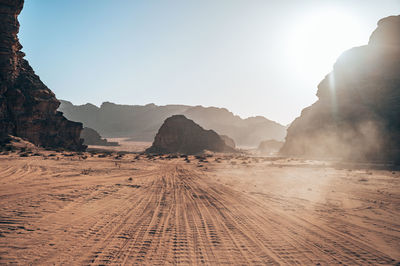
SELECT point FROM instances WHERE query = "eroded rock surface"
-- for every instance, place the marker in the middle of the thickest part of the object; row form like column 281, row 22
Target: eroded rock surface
column 181, row 135
column 28, row 109
column 357, row 115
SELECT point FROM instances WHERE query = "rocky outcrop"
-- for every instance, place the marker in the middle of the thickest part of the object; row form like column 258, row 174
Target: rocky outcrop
column 357, row 115
column 181, row 135
column 141, row 122
column 228, row 141
column 91, row 137
column 28, row 109
column 268, row 147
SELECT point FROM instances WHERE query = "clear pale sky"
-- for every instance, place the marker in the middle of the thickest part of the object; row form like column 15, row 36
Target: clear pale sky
column 252, row 57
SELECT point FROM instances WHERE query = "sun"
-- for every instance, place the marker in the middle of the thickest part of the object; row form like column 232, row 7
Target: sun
column 318, row 38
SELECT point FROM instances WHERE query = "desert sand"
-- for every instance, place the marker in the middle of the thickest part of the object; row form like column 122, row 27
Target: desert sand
column 64, row 208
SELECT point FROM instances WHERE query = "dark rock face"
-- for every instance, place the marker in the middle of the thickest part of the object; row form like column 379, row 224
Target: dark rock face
column 91, row 137
column 228, row 141
column 357, row 116
column 28, row 109
column 181, row 135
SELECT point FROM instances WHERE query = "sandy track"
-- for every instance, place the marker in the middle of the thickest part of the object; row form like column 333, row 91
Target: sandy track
column 169, row 213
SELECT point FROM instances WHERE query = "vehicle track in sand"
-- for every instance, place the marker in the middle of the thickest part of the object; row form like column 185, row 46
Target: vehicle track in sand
column 170, row 214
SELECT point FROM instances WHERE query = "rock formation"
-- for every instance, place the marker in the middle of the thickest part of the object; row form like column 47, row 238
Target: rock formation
column 92, row 137
column 181, row 135
column 357, row 115
column 141, row 122
column 228, row 141
column 28, row 109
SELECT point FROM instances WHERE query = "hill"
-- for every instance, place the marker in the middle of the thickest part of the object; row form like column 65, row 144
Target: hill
column 141, row 122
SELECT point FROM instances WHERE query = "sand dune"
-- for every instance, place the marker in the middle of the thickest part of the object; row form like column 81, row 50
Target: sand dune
column 69, row 210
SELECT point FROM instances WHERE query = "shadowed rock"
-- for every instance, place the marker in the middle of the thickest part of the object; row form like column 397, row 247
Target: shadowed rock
column 28, row 109
column 181, row 135
column 91, row 137
column 228, row 141
column 357, row 115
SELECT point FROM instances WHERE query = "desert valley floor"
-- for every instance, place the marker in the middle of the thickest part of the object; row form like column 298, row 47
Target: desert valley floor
column 64, row 208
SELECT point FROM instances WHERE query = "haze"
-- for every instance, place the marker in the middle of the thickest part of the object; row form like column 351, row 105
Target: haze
column 252, row 57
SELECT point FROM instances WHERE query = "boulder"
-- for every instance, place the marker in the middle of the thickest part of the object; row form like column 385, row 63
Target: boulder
column 181, row 135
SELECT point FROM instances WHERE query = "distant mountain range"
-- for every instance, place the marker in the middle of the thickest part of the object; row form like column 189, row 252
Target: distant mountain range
column 141, row 122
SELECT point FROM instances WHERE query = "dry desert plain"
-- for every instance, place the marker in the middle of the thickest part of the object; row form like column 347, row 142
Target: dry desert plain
column 73, row 209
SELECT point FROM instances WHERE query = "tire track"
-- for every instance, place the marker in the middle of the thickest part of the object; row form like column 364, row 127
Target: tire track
column 177, row 215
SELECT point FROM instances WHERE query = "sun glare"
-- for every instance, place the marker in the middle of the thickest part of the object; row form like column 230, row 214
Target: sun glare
column 319, row 38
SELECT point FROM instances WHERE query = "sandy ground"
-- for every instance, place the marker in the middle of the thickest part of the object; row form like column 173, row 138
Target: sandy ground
column 65, row 209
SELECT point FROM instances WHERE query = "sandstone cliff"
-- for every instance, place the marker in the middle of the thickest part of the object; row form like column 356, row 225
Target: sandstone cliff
column 357, row 115
column 28, row 109
column 181, row 135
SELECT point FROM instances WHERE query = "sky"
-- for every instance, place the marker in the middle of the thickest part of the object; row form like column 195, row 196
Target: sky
column 253, row 57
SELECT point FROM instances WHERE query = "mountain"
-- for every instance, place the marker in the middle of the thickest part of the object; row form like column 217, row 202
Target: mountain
column 181, row 135
column 28, row 108
column 141, row 122
column 357, row 115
